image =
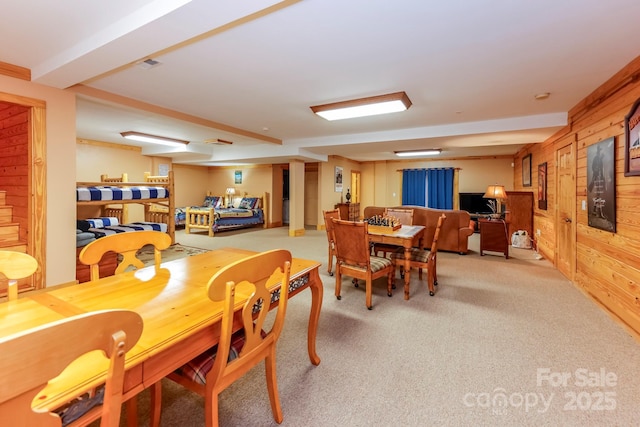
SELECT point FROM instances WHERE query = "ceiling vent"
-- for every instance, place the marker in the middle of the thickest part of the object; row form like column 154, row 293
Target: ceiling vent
column 149, row 63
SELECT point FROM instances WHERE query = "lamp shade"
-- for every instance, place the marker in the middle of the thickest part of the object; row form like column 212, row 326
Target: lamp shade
column 495, row 192
column 231, row 190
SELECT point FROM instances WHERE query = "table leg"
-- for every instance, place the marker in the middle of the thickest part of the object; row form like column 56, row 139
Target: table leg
column 407, row 271
column 315, row 285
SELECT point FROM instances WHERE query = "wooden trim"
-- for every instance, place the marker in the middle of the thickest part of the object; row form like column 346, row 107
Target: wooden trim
column 108, row 145
column 15, row 71
column 37, row 211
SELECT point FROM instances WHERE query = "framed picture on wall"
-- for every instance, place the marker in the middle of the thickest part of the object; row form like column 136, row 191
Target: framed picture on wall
column 632, row 141
column 601, row 186
column 542, row 186
column 238, row 177
column 338, row 179
column 526, row 171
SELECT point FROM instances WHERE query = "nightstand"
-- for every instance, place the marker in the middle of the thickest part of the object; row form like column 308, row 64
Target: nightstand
column 494, row 236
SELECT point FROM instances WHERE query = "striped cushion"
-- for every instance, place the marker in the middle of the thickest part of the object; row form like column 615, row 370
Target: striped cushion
column 198, row 368
column 377, row 264
column 417, row 255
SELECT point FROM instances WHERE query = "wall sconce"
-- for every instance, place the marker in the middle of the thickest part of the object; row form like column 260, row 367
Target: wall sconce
column 153, row 139
column 231, row 191
column 371, row 106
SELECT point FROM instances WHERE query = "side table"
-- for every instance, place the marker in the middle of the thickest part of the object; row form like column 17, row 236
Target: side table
column 494, row 236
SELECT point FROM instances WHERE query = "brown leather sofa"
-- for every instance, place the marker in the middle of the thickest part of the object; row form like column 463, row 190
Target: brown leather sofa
column 455, row 232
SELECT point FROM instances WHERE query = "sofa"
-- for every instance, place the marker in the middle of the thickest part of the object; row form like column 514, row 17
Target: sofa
column 455, row 231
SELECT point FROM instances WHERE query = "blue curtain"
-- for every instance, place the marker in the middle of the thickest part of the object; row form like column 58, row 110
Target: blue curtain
column 414, row 187
column 440, row 188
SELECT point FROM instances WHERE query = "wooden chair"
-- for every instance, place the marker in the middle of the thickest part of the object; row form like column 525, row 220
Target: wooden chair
column 55, row 346
column 328, row 225
column 237, row 352
column 422, row 259
column 405, row 216
column 354, row 259
column 16, row 266
column 127, row 245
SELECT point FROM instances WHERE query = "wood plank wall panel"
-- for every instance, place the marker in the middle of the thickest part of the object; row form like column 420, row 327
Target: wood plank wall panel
column 14, row 161
column 607, row 264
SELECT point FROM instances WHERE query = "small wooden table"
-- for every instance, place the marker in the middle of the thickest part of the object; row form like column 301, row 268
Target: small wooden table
column 406, row 236
column 494, row 236
column 180, row 321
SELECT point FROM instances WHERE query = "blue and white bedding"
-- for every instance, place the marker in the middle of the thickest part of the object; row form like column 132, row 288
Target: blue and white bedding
column 87, row 194
column 124, row 228
column 236, row 218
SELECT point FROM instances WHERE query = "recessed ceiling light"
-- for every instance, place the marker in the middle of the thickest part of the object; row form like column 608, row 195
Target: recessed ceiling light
column 153, row 139
column 419, row 153
column 371, row 106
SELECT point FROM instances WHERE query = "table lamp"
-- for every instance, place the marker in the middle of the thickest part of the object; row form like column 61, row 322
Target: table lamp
column 230, row 192
column 497, row 193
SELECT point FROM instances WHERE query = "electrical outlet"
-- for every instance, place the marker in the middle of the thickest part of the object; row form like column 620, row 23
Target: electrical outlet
column 584, row 205
column 538, row 232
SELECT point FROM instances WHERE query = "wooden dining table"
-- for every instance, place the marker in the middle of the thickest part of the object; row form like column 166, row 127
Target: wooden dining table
column 180, row 321
column 406, row 237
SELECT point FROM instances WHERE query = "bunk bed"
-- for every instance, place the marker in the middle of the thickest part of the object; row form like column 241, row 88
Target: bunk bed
column 113, row 196
column 251, row 211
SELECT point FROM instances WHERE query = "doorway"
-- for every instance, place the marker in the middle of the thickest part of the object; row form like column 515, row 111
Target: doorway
column 566, row 205
column 28, row 198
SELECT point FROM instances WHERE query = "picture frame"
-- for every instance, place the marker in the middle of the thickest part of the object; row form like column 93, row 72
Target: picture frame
column 542, row 186
column 632, row 141
column 338, row 179
column 238, row 177
column 601, row 185
column 526, row 171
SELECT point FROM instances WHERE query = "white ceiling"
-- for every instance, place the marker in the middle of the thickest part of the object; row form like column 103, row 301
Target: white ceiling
column 247, row 71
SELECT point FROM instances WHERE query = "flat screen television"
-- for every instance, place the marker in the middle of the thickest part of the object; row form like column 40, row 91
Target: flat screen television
column 474, row 203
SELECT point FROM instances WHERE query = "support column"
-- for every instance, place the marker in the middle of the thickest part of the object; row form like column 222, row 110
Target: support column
column 296, row 198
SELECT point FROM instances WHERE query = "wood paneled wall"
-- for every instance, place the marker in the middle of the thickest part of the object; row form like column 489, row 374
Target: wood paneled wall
column 607, row 265
column 14, row 161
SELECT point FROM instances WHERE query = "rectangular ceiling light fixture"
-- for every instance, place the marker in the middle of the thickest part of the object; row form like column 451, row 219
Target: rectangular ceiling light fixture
column 371, row 106
column 418, row 153
column 218, row 141
column 153, row 139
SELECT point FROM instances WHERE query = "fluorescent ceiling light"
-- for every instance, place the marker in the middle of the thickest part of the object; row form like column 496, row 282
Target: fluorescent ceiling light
column 418, row 153
column 371, row 106
column 153, row 139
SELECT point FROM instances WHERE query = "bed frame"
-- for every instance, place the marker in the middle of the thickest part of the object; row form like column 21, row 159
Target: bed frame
column 155, row 210
column 198, row 218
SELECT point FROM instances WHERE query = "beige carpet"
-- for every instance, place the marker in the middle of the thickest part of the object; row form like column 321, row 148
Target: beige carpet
column 481, row 352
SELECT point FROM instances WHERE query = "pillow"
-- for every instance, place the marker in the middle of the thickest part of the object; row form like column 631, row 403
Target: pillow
column 249, row 203
column 212, row 201
column 246, row 203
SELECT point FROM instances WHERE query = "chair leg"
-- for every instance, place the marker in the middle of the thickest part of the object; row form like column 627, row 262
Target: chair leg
column 155, row 404
column 211, row 418
column 369, row 293
column 132, row 411
column 272, row 385
column 330, row 262
column 391, row 277
column 338, row 282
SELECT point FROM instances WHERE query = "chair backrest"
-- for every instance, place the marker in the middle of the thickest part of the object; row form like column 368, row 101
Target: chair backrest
column 328, row 224
column 56, row 345
column 16, row 266
column 405, row 216
column 255, row 275
column 127, row 245
column 352, row 242
column 434, row 244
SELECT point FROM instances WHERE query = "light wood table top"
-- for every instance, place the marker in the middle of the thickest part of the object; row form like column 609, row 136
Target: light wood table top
column 180, row 321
